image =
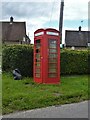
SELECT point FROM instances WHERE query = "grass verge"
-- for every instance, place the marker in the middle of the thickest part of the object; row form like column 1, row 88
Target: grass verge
column 25, row 94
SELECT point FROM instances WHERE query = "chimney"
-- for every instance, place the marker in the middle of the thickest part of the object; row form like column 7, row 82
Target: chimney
column 11, row 20
column 80, row 28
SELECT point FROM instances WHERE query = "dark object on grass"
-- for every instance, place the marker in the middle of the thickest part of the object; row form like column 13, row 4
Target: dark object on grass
column 17, row 75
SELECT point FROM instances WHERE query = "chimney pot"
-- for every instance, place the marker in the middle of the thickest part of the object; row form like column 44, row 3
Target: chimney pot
column 80, row 28
column 11, row 19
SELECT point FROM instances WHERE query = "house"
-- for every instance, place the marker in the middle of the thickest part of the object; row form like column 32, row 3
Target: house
column 77, row 39
column 14, row 32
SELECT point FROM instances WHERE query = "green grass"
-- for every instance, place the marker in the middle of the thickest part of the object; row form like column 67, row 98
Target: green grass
column 25, row 94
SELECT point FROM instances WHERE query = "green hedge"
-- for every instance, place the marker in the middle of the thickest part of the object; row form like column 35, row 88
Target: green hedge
column 21, row 56
column 18, row 56
column 74, row 62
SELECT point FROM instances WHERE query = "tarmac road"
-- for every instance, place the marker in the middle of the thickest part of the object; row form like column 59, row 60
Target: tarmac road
column 76, row 110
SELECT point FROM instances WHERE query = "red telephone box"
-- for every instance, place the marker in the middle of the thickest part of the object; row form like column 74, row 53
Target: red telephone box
column 47, row 56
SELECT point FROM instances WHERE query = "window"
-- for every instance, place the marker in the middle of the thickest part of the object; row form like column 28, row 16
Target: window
column 37, row 44
column 40, row 33
column 88, row 44
column 53, row 33
column 52, row 75
column 52, row 51
column 37, row 58
column 52, row 58
column 52, row 43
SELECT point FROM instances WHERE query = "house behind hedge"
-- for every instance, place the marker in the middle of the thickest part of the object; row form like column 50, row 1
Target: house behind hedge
column 14, row 32
column 77, row 39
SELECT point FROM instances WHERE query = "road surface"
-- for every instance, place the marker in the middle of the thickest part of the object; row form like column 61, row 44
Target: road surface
column 76, row 110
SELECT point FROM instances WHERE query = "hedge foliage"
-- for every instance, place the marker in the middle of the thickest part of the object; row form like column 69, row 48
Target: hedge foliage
column 18, row 56
column 21, row 57
column 74, row 62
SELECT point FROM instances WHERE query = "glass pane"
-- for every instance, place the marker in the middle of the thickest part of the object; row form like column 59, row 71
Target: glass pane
column 52, row 55
column 52, row 33
column 52, row 65
column 52, row 60
column 40, row 33
column 52, row 75
column 37, row 60
column 52, row 50
column 37, row 44
column 37, row 75
column 52, row 43
column 54, row 70
column 37, row 50
column 37, row 41
column 37, row 70
column 38, row 64
column 38, row 56
column 52, row 46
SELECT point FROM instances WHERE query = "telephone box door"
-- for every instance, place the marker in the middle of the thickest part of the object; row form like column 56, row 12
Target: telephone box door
column 37, row 60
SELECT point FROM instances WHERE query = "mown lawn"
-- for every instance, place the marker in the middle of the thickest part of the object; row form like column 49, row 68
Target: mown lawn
column 25, row 94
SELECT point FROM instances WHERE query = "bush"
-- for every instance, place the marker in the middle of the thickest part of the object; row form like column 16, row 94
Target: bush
column 18, row 56
column 74, row 62
column 21, row 57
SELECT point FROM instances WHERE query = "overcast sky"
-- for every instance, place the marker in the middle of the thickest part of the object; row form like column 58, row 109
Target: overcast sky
column 45, row 13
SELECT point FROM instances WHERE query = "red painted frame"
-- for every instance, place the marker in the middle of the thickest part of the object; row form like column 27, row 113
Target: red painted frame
column 44, row 38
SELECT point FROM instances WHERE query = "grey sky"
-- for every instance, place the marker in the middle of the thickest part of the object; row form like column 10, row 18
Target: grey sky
column 25, row 10
column 45, row 13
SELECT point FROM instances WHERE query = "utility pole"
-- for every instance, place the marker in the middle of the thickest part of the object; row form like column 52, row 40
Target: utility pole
column 61, row 20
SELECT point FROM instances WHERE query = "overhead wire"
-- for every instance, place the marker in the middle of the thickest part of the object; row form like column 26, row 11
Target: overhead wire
column 53, row 4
